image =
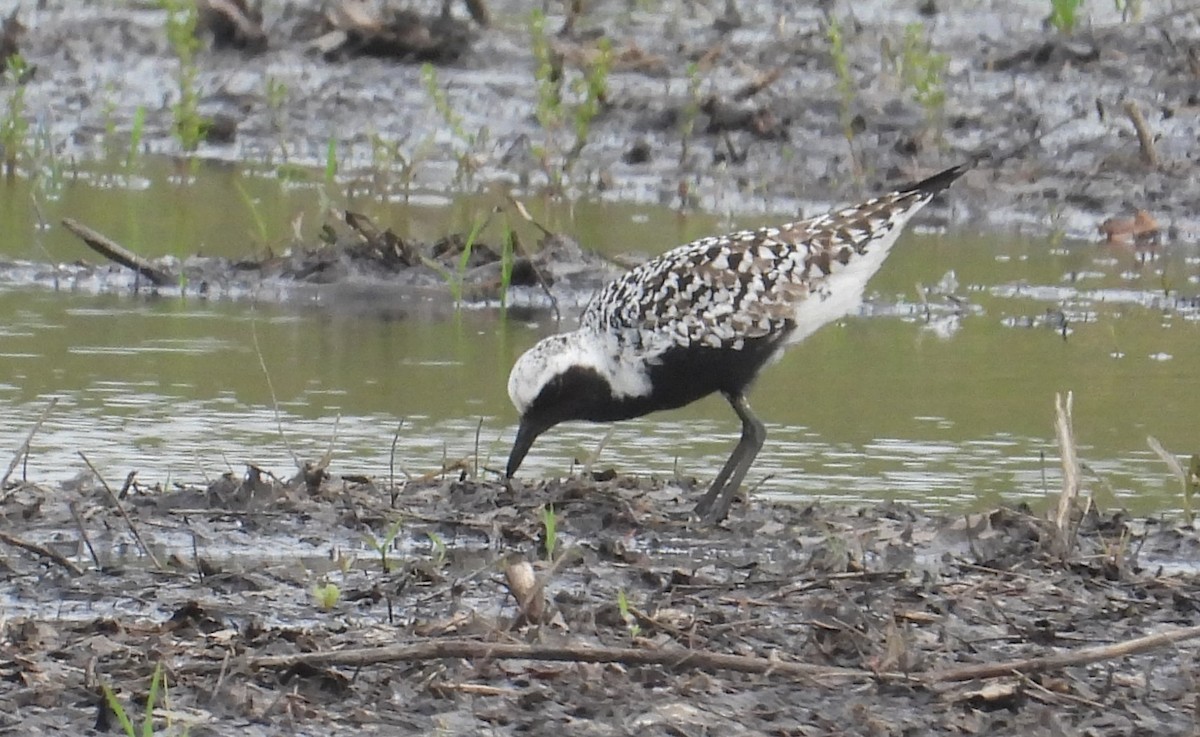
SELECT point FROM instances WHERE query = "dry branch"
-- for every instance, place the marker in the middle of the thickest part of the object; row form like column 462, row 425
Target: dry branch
column 233, row 23
column 681, row 658
column 137, row 536
column 41, row 550
column 1083, row 656
column 672, row 657
column 761, row 81
column 117, row 253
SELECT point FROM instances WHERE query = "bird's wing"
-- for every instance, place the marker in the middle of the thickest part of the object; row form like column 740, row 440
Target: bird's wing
column 720, row 291
column 710, row 292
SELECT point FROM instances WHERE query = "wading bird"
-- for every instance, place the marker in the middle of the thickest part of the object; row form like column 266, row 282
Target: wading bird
column 706, row 317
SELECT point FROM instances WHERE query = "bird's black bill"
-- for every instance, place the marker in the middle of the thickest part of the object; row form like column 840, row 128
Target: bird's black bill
column 526, row 434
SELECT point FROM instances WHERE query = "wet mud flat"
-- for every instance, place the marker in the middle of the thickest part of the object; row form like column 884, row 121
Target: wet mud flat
column 735, row 107
column 458, row 611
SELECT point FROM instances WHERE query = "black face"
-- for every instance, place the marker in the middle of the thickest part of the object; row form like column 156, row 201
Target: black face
column 578, row 394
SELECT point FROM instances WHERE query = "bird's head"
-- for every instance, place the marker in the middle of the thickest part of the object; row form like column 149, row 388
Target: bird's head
column 563, row 377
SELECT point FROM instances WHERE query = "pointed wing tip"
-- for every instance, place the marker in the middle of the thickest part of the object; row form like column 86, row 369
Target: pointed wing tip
column 940, row 181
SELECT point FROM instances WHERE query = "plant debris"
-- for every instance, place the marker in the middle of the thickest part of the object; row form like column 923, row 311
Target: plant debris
column 353, row 28
column 11, row 31
column 233, row 24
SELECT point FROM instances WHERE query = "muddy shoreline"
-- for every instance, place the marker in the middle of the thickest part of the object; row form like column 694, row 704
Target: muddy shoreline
column 786, row 619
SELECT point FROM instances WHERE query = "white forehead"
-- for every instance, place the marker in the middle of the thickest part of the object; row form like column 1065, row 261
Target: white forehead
column 541, row 363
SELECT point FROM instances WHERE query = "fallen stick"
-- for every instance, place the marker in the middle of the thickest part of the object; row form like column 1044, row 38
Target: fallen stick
column 681, row 658
column 117, row 253
column 672, row 657
column 42, row 551
column 476, row 689
column 1083, row 656
column 24, row 447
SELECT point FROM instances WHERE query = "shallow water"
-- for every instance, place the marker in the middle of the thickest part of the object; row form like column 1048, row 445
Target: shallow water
column 950, row 407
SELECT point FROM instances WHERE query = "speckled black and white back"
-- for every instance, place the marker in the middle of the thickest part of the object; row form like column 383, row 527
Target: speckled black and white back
column 721, row 291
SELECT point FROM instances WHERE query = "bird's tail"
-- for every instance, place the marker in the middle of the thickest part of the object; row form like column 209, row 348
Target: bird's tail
column 879, row 220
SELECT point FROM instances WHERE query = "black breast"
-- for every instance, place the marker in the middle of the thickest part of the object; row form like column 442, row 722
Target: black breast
column 678, row 377
column 684, row 375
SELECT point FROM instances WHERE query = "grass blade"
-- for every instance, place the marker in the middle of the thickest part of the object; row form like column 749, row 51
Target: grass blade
column 115, row 706
column 1178, row 472
column 151, row 700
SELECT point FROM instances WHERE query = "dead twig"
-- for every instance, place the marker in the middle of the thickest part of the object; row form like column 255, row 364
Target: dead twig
column 262, row 363
column 827, row 581
column 125, row 515
column 41, row 550
column 395, row 493
column 1177, row 471
column 1083, row 656
column 447, row 466
column 125, row 487
column 216, row 689
column 518, row 247
column 475, row 689
column 117, row 253
column 1065, row 430
column 87, row 541
column 233, row 23
column 24, row 447
column 761, row 81
column 1144, row 135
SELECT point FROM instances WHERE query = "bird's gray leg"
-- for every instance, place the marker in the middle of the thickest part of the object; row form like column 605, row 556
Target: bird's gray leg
column 715, row 505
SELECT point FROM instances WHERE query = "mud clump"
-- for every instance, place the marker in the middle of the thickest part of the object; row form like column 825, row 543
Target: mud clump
column 455, row 604
column 354, row 262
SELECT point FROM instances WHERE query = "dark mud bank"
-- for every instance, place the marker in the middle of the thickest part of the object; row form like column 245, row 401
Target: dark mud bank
column 740, row 109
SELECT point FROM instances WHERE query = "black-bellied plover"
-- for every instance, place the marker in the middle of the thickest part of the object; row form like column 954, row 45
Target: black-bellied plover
column 706, row 317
